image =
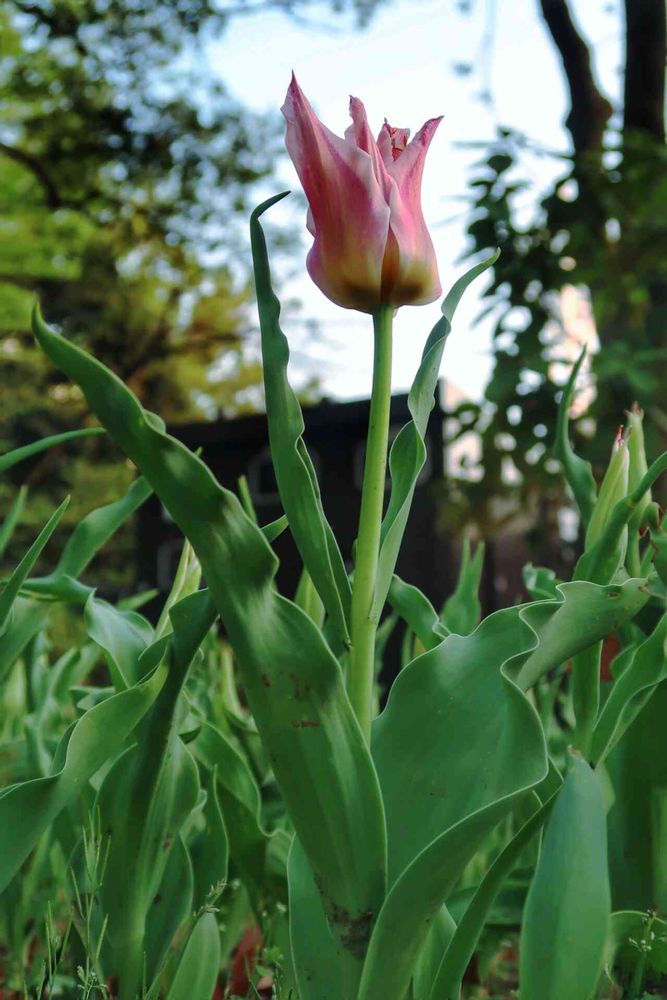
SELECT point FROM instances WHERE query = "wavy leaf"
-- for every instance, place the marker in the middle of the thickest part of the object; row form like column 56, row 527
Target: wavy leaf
column 292, row 680
column 295, row 473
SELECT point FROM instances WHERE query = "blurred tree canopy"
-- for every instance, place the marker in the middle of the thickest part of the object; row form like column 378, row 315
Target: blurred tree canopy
column 601, row 228
column 126, row 174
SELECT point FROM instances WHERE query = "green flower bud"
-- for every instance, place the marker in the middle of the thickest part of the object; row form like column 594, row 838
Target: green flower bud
column 614, row 487
column 638, row 465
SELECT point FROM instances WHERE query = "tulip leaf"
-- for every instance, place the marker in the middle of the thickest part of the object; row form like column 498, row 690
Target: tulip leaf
column 27, row 809
column 123, row 635
column 408, row 452
column 240, row 802
column 417, row 611
column 197, row 972
column 462, row 611
column 578, row 473
column 631, row 691
column 168, row 910
column 27, row 619
column 315, row 952
column 292, row 680
column 12, row 518
column 426, row 967
column 456, row 746
column 12, row 458
column 210, row 851
column 143, row 802
column 97, row 527
column 13, row 585
column 447, row 982
column 583, row 613
column 295, row 473
column 566, row 917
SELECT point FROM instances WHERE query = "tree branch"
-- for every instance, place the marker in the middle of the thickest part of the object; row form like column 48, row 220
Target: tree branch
column 589, row 108
column 645, row 42
column 53, row 198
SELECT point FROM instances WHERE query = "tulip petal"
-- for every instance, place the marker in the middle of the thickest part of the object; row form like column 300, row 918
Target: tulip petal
column 410, row 272
column 346, row 258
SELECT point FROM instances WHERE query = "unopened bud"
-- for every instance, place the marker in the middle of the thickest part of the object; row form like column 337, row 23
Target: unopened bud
column 613, row 488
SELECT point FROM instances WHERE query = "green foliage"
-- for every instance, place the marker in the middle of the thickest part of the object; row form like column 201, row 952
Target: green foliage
column 190, row 811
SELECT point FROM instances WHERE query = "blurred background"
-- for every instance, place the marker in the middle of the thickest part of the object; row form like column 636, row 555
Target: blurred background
column 135, row 137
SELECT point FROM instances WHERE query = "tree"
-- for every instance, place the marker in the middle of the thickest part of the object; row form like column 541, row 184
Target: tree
column 602, row 227
column 126, row 175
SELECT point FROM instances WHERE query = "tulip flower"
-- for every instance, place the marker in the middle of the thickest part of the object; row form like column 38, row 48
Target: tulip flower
column 371, row 246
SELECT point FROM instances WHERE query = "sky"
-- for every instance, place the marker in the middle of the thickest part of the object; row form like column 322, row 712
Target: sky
column 401, row 67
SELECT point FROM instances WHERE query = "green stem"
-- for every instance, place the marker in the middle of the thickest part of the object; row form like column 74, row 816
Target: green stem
column 364, row 624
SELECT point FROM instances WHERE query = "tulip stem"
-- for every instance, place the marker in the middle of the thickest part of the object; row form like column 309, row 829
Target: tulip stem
column 364, row 622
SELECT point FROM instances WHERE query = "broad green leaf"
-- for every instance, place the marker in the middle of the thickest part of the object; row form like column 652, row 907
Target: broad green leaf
column 144, row 801
column 408, row 452
column 462, row 611
column 631, row 691
column 416, row 609
column 13, row 585
column 447, row 982
column 456, row 746
column 295, row 473
column 567, row 912
column 578, row 473
column 27, row 809
column 198, row 969
column 291, row 679
column 19, row 454
column 584, row 613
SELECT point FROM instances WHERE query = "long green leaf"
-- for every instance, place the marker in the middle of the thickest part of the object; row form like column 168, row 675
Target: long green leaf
column 292, row 680
column 146, row 798
column 295, row 473
column 631, row 691
column 198, row 969
column 13, row 585
column 12, row 518
column 408, row 452
column 447, row 982
column 241, row 805
column 97, row 528
column 19, row 454
column 567, row 911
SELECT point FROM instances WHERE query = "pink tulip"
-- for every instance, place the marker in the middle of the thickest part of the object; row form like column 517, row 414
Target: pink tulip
column 371, row 244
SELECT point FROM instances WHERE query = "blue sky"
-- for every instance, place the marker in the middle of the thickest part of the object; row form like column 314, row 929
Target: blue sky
column 401, row 67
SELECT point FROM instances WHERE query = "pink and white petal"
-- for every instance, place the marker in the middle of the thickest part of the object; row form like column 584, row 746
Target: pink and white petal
column 348, row 209
column 359, row 133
